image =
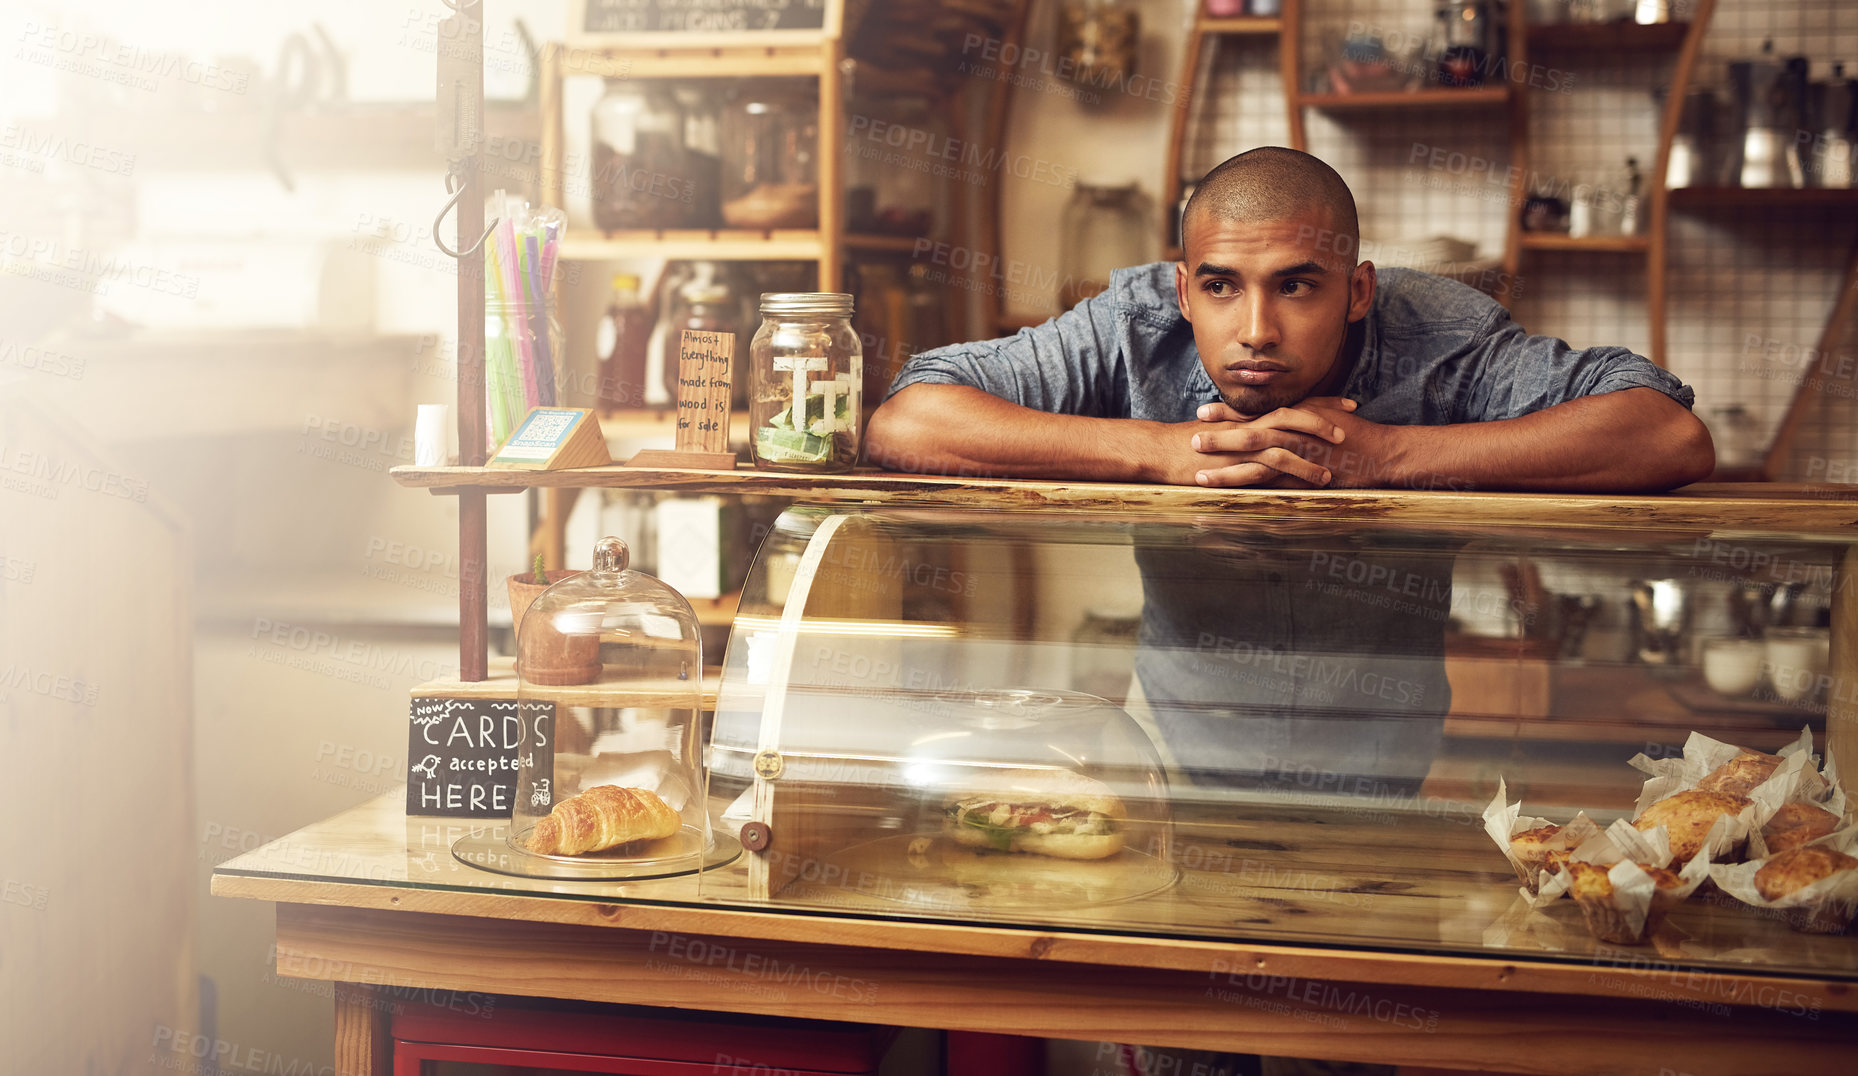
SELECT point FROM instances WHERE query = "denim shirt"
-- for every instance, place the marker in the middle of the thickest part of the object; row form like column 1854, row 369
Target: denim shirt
column 1263, row 665
column 1435, row 352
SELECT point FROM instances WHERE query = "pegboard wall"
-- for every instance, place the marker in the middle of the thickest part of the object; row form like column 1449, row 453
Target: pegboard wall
column 1749, row 291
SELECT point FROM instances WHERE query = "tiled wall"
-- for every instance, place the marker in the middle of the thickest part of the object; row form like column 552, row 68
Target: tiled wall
column 1749, row 291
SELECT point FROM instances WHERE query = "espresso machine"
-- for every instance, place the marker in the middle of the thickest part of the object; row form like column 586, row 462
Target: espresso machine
column 1770, row 104
column 1834, row 110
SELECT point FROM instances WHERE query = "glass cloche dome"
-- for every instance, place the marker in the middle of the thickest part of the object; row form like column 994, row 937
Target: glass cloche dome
column 609, row 781
column 887, row 737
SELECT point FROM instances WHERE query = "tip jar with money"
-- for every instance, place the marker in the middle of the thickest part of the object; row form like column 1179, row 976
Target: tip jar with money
column 807, row 370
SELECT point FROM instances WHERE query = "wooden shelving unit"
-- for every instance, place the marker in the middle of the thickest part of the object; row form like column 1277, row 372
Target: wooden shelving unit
column 822, row 58
column 1204, row 34
column 1623, row 38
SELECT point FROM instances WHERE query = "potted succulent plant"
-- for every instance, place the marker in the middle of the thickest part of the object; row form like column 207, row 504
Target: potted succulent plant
column 551, row 655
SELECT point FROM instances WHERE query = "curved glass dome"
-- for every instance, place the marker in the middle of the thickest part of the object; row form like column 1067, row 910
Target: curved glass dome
column 874, row 745
column 609, row 781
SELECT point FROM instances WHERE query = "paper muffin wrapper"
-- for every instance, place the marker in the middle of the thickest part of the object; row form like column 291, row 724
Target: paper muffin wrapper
column 1618, row 843
column 1629, row 914
column 1825, row 907
column 1504, row 820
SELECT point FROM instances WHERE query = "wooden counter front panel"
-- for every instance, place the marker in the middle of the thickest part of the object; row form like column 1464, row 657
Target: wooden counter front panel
column 1233, row 1009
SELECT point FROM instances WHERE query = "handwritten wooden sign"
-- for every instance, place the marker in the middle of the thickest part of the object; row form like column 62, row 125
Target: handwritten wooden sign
column 703, row 379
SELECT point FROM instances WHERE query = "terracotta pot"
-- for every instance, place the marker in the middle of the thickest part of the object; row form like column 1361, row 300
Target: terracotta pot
column 550, row 657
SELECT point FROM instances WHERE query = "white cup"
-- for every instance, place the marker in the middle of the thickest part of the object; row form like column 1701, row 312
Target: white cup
column 1796, row 659
column 1733, row 666
column 435, row 437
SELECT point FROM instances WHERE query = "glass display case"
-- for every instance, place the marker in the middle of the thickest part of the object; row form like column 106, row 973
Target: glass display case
column 1376, row 724
column 1313, row 718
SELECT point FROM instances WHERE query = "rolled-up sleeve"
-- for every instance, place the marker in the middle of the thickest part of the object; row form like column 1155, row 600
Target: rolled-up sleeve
column 1518, row 374
column 1072, row 364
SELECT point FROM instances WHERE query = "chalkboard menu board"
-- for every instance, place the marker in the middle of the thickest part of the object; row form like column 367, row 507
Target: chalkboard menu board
column 462, row 754
column 597, row 17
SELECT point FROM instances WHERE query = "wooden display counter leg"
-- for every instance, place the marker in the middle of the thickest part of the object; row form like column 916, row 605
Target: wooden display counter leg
column 363, row 1035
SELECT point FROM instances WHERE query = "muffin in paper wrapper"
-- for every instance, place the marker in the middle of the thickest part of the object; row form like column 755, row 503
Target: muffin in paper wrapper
column 1826, row 906
column 1725, row 844
column 1636, row 905
column 1704, row 755
column 1504, row 821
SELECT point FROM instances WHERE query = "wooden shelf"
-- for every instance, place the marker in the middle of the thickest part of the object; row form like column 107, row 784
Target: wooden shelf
column 1759, row 197
column 1594, row 244
column 721, row 244
column 698, row 60
column 1683, row 515
column 728, row 244
column 1609, row 37
column 1255, row 24
column 884, row 244
column 1472, row 97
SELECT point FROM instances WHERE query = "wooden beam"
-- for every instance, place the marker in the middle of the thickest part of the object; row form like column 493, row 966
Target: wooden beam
column 1658, row 209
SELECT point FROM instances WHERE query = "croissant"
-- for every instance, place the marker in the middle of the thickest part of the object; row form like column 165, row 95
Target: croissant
column 601, row 817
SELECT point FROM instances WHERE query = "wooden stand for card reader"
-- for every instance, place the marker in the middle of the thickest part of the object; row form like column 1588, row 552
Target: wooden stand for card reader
column 553, row 438
column 703, row 377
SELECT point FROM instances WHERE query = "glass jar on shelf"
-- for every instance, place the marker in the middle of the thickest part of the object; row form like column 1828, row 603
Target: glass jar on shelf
column 1105, row 228
column 770, row 156
column 807, row 376
column 702, row 108
column 640, row 166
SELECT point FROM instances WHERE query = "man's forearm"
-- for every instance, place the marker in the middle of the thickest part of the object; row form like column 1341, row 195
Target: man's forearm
column 1634, row 440
column 958, row 430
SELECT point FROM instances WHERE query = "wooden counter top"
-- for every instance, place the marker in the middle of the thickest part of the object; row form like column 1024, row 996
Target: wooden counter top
column 1707, row 508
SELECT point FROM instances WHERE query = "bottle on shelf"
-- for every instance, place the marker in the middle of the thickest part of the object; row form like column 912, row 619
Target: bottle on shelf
column 621, row 345
column 1631, row 215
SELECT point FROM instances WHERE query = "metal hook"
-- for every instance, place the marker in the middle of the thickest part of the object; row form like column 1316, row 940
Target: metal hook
column 438, row 231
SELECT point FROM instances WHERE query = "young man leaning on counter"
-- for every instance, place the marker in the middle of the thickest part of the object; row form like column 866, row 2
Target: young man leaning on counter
column 1278, row 359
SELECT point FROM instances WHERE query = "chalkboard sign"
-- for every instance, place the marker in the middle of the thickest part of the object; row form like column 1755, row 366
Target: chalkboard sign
column 595, row 20
column 462, row 754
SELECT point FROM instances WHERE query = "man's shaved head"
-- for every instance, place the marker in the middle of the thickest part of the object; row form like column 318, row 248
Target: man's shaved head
column 1273, row 183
